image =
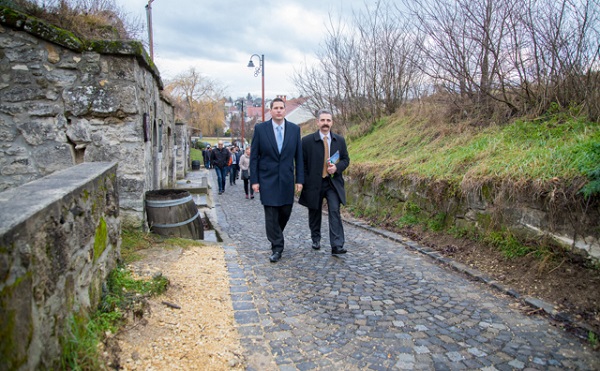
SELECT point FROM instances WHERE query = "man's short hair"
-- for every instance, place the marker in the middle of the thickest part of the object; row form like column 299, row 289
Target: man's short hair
column 324, row 111
column 277, row 100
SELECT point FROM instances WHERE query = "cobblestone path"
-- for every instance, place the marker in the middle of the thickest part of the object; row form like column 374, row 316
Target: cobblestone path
column 382, row 306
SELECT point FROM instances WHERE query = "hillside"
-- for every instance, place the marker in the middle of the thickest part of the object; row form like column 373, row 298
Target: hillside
column 546, row 149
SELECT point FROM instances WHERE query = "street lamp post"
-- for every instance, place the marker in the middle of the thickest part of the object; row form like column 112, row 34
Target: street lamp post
column 243, row 140
column 260, row 69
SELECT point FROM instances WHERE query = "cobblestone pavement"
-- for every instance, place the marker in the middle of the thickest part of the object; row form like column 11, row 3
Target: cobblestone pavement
column 382, row 306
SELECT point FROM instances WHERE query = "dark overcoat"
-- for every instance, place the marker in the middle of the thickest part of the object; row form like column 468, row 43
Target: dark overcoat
column 313, row 155
column 277, row 173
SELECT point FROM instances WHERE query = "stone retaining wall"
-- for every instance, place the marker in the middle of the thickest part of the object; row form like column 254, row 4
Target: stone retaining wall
column 572, row 222
column 59, row 239
column 65, row 101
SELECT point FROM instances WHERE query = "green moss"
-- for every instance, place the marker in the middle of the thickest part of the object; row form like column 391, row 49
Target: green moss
column 100, row 239
column 12, row 17
column 411, row 215
column 13, row 345
column 487, row 192
column 438, row 222
column 484, row 221
column 8, row 348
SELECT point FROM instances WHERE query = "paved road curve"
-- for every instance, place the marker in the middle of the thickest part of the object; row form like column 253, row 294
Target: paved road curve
column 382, row 306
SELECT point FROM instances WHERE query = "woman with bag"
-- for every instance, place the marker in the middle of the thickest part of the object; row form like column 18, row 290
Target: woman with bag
column 245, row 167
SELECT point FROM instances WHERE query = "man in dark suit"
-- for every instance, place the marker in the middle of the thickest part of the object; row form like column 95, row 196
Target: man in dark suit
column 275, row 165
column 323, row 179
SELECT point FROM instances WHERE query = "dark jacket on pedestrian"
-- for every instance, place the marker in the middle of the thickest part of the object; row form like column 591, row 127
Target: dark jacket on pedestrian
column 312, row 148
column 220, row 157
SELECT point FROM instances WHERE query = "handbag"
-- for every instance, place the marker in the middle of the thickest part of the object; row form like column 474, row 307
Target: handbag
column 245, row 174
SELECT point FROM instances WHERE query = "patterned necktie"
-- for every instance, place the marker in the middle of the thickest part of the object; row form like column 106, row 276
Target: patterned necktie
column 326, row 157
column 279, row 138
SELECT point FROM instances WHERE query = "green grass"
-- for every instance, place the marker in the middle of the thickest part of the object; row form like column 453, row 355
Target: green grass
column 541, row 150
column 195, row 154
column 124, row 295
column 593, row 339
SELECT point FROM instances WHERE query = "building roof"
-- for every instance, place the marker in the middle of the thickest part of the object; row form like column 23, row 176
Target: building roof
column 296, row 112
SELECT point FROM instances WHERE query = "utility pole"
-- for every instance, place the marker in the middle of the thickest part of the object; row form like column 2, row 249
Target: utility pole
column 243, row 139
column 150, row 38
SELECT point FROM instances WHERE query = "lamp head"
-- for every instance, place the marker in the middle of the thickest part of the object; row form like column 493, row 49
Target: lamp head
column 251, row 64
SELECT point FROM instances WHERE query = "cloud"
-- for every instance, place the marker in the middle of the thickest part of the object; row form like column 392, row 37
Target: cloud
column 218, row 37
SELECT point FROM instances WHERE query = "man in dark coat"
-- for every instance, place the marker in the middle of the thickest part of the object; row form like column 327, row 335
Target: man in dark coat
column 275, row 167
column 323, row 180
column 219, row 159
column 206, row 156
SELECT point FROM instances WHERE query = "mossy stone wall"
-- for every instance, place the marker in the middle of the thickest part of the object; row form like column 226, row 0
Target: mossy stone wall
column 528, row 214
column 59, row 240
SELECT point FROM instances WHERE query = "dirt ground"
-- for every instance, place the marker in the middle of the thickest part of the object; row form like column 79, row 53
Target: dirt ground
column 191, row 326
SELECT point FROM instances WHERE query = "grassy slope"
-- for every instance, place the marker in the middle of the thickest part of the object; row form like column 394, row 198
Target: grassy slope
column 544, row 149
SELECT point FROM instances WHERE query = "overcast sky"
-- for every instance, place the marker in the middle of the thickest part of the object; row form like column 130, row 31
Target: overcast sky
column 217, row 38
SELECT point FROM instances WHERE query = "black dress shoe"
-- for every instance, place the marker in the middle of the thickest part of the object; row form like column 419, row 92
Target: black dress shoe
column 316, row 245
column 275, row 257
column 338, row 250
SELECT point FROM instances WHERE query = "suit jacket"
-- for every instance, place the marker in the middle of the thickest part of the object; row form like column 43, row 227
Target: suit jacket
column 313, row 155
column 277, row 173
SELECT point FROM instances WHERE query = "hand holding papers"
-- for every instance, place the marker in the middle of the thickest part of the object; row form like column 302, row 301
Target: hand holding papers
column 334, row 160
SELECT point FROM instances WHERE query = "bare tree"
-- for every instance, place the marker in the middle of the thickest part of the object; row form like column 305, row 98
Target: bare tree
column 560, row 62
column 524, row 55
column 494, row 59
column 366, row 68
column 198, row 100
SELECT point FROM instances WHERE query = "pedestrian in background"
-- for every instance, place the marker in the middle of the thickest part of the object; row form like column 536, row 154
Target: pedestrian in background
column 275, row 166
column 238, row 155
column 233, row 166
column 206, row 152
column 220, row 158
column 245, row 170
column 325, row 158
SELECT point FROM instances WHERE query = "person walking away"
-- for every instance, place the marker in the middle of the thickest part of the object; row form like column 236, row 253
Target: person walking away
column 219, row 158
column 325, row 158
column 233, row 168
column 228, row 170
column 276, row 168
column 206, row 156
column 238, row 155
column 245, row 169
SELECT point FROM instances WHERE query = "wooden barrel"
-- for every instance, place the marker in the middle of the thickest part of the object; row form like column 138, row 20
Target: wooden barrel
column 173, row 213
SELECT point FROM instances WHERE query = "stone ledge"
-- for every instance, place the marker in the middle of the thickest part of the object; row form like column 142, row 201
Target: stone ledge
column 43, row 192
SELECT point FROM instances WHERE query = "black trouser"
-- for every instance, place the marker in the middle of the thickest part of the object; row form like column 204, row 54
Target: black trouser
column 336, row 228
column 248, row 187
column 233, row 174
column 276, row 218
